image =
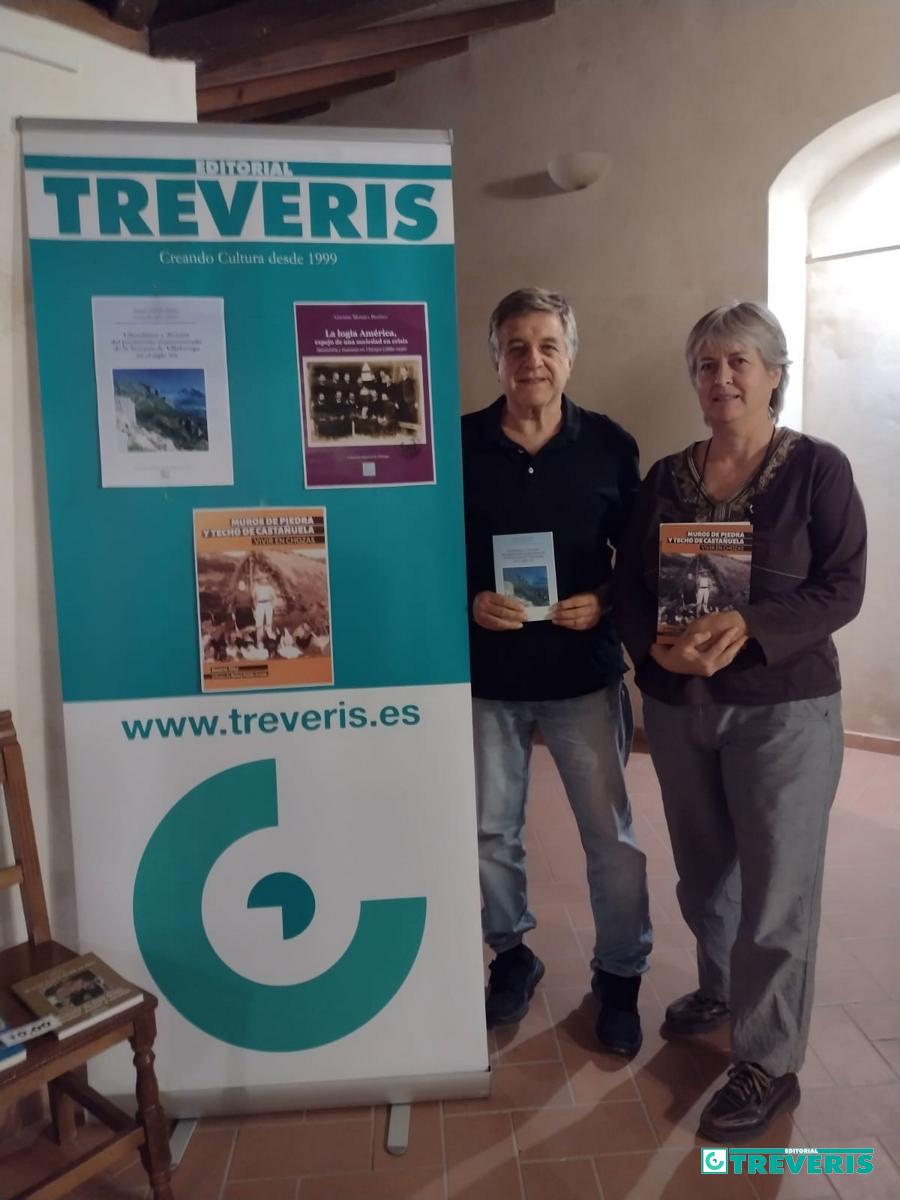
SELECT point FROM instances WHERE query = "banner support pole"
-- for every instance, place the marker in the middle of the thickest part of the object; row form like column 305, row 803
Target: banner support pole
column 397, row 1141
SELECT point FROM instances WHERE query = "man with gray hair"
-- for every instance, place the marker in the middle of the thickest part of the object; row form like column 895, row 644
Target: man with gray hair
column 535, row 463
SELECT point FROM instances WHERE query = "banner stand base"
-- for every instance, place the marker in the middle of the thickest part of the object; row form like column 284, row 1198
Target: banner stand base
column 180, row 1139
column 397, row 1140
column 338, row 1093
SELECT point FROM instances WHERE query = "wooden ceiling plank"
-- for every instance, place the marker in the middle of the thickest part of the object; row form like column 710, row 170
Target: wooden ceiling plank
column 294, row 82
column 292, row 103
column 168, row 11
column 134, row 14
column 288, row 114
column 402, row 35
column 298, row 114
column 221, row 38
column 239, row 24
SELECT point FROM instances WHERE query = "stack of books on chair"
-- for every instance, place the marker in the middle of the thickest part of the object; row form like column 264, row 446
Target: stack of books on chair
column 10, row 1054
column 66, row 999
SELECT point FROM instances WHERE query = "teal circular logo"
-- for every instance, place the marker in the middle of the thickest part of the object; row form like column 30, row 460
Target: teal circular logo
column 168, row 922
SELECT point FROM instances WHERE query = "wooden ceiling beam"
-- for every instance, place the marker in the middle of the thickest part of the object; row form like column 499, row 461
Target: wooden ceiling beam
column 288, row 113
column 168, row 11
column 385, row 39
column 298, row 114
column 235, row 95
column 282, row 105
column 134, row 14
column 220, row 39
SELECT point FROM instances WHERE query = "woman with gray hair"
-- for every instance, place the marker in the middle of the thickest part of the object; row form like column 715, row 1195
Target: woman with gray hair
column 742, row 711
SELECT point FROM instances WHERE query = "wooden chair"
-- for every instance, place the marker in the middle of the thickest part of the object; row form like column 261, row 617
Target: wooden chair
column 61, row 1065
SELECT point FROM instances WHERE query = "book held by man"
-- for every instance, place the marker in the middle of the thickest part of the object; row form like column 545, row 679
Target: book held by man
column 704, row 567
column 81, row 992
column 525, row 570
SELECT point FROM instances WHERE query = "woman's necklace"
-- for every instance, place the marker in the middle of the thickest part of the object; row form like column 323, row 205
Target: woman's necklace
column 748, row 483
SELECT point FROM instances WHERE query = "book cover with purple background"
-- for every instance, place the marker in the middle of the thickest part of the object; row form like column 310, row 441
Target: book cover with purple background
column 365, row 394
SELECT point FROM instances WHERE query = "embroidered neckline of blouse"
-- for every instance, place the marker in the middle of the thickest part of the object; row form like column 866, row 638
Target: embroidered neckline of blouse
column 737, row 507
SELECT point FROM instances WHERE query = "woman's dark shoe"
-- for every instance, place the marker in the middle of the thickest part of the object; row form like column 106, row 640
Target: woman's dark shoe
column 618, row 1024
column 514, row 975
column 748, row 1103
column 695, row 1013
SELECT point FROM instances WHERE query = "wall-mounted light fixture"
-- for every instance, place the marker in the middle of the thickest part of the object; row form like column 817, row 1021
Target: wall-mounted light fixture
column 573, row 172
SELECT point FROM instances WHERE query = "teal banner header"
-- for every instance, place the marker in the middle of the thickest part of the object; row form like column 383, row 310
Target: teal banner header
column 98, row 198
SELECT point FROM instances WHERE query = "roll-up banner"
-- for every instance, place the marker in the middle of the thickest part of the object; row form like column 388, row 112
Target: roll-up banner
column 247, row 354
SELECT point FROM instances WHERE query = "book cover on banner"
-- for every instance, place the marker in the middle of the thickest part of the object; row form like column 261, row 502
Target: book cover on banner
column 81, row 992
column 162, row 391
column 704, row 567
column 365, row 394
column 525, row 570
column 263, row 598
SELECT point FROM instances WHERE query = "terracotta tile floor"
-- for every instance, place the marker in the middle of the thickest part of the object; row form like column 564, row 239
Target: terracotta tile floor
column 565, row 1122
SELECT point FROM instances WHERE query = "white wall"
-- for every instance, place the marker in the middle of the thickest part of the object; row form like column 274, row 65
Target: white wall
column 852, row 394
column 95, row 80
column 699, row 104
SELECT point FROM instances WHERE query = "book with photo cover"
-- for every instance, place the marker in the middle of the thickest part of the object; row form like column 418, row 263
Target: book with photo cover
column 365, row 393
column 525, row 570
column 10, row 1056
column 704, row 567
column 81, row 992
column 263, row 598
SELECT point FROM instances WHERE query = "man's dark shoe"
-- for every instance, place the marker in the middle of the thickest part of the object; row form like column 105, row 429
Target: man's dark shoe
column 618, row 1024
column 695, row 1013
column 747, row 1104
column 514, row 975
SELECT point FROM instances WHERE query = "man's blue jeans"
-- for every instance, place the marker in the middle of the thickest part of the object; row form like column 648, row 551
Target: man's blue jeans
column 589, row 738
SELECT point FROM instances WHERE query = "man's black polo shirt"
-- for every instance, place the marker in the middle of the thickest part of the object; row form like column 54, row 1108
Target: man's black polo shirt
column 580, row 486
